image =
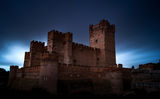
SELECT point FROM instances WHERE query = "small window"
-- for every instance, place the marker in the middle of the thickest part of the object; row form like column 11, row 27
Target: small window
column 45, row 77
column 97, row 59
column 74, row 61
column 96, row 41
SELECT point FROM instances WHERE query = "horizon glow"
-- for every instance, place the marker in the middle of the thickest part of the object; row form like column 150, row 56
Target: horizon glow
column 15, row 56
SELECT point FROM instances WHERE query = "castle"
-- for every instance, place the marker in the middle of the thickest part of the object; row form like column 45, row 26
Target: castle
column 66, row 67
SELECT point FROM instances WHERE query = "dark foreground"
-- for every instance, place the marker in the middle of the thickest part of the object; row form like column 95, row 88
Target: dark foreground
column 7, row 92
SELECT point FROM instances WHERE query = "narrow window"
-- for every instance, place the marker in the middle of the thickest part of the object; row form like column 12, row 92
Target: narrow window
column 96, row 41
column 97, row 59
column 74, row 61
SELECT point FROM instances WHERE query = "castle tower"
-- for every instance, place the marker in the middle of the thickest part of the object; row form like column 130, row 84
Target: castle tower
column 60, row 43
column 102, row 36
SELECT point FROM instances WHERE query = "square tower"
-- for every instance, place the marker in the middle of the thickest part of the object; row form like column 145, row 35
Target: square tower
column 102, row 36
column 61, row 43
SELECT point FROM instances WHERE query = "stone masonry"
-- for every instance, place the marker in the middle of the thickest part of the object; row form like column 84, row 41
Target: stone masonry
column 66, row 63
column 66, row 67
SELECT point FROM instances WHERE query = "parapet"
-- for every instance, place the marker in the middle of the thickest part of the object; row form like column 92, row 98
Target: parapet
column 91, row 69
column 102, row 24
column 120, row 66
column 56, row 35
column 115, row 65
column 68, row 36
column 27, row 55
column 54, row 32
column 37, row 46
column 146, row 66
column 13, row 68
column 34, row 69
column 84, row 47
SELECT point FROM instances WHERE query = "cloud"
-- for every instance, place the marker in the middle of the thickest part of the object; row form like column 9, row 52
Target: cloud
column 13, row 55
column 5, row 67
column 136, row 57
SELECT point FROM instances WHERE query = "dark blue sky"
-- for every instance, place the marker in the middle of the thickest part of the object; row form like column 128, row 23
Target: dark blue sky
column 137, row 26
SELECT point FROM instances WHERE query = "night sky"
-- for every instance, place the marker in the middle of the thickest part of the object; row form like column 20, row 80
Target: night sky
column 137, row 26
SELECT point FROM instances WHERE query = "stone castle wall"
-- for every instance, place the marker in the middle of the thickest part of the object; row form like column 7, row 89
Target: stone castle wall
column 64, row 62
column 84, row 55
column 51, row 76
column 61, row 44
column 33, row 57
column 102, row 36
column 98, row 80
column 66, row 67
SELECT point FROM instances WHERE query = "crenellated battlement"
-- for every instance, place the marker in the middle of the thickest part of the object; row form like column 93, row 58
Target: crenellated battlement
column 36, row 46
column 34, row 69
column 103, row 24
column 82, row 69
column 68, row 36
column 57, row 40
column 14, row 68
column 65, row 62
column 27, row 55
column 54, row 35
column 64, row 67
column 84, row 47
column 102, row 36
column 37, row 43
column 20, row 70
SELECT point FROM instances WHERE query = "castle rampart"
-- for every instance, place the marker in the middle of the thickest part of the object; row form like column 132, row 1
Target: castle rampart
column 102, row 36
column 71, row 65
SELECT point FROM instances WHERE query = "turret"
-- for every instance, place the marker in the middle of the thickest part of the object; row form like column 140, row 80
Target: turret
column 60, row 43
column 36, row 46
column 102, row 36
column 12, row 74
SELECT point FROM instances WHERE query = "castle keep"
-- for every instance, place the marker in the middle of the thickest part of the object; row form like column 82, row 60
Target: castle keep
column 66, row 67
